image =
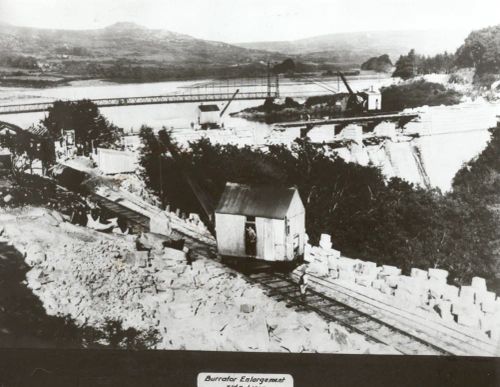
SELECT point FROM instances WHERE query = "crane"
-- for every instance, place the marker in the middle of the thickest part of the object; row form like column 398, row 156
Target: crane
column 229, row 102
column 355, row 103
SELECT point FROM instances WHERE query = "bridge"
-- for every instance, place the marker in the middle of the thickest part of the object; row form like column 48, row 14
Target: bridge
column 256, row 89
column 367, row 120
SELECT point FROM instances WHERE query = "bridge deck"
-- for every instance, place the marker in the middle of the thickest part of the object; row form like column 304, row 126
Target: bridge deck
column 406, row 117
column 148, row 100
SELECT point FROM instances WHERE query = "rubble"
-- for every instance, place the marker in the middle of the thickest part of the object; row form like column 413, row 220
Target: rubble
column 93, row 278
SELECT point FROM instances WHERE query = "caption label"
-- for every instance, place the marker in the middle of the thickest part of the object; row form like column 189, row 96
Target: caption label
column 219, row 379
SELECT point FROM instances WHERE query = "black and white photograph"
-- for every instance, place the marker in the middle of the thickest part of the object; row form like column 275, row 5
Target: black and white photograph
column 271, row 177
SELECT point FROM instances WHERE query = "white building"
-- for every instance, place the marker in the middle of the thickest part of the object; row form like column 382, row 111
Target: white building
column 374, row 99
column 260, row 222
column 208, row 115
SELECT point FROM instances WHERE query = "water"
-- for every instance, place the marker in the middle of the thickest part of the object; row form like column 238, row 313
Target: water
column 454, row 135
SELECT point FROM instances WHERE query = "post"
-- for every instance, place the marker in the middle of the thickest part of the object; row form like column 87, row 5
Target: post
column 268, row 79
column 161, row 183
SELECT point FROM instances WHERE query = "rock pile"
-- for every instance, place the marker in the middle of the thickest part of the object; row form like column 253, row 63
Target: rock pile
column 93, row 277
column 471, row 306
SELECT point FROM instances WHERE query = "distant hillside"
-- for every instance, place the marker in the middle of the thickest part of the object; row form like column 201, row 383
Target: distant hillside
column 122, row 40
column 123, row 51
column 364, row 45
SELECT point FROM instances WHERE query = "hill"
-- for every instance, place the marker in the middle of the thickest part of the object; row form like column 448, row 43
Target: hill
column 363, row 45
column 123, row 51
column 122, row 40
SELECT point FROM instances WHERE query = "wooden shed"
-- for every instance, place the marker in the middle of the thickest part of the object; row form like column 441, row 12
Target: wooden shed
column 265, row 223
column 208, row 115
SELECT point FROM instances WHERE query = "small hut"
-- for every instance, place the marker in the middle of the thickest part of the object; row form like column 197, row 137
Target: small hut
column 265, row 223
column 208, row 116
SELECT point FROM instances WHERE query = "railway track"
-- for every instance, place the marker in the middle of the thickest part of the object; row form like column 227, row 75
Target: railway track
column 282, row 287
column 410, row 337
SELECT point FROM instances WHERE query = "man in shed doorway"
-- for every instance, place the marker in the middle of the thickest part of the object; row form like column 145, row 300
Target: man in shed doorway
column 250, row 239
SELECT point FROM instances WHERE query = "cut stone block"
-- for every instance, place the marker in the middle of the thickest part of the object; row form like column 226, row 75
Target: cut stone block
column 468, row 320
column 364, row 281
column 333, row 263
column 325, row 241
column 247, row 308
column 479, row 284
column 467, row 294
column 377, row 283
column 465, row 308
column 392, row 280
column 390, row 270
column 419, row 273
column 318, row 268
column 347, row 264
column 345, row 275
column 450, row 292
column 386, row 289
column 174, row 254
column 436, row 288
column 438, row 274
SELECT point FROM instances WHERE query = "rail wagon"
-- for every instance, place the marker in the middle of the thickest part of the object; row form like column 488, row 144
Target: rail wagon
column 263, row 223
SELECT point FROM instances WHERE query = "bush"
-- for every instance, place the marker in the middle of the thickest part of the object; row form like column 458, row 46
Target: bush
column 418, row 93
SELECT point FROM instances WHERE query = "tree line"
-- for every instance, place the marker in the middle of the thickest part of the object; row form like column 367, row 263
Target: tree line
column 480, row 50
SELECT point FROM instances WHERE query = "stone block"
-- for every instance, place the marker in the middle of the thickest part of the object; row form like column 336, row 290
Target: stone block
column 479, row 284
column 386, row 289
column 486, row 300
column 333, row 274
column 469, row 319
column 367, row 267
column 392, row 280
column 436, row 288
column 467, row 294
column 346, row 275
column 325, row 241
column 390, row 270
column 444, row 307
column 461, row 307
column 318, row 268
column 247, row 308
column 174, row 254
column 450, row 292
column 419, row 273
column 332, row 263
column 377, row 283
column 347, row 264
column 364, row 281
column 438, row 275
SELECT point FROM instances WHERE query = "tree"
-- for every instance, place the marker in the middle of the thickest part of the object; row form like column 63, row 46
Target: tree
column 288, row 65
column 91, row 128
column 406, row 66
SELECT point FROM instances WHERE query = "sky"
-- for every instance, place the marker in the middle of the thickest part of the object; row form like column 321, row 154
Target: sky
column 255, row 20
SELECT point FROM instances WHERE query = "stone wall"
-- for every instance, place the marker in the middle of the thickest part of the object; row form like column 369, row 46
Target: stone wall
column 470, row 306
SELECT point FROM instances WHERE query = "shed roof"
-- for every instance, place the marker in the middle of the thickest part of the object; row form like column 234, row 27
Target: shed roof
column 263, row 201
column 208, row 108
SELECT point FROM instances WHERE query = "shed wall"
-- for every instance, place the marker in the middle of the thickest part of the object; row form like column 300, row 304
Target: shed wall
column 270, row 239
column 230, row 231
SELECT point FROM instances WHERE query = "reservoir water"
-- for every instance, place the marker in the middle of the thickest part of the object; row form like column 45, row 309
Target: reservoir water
column 450, row 135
